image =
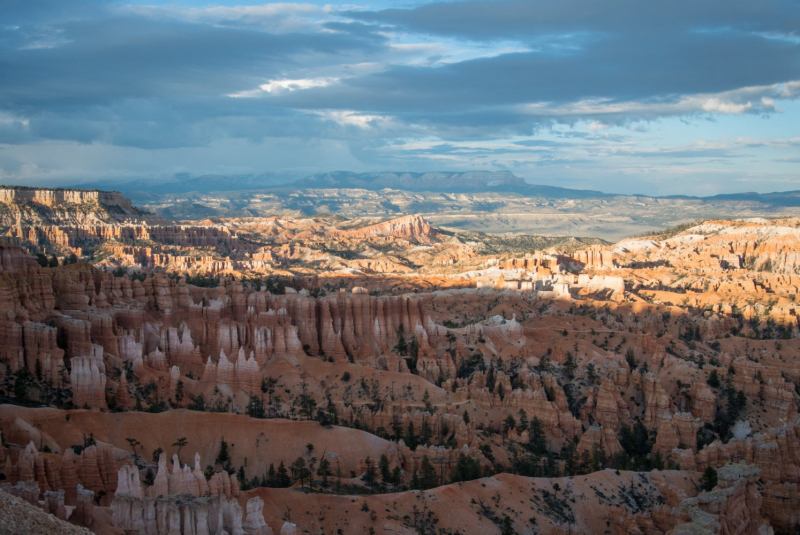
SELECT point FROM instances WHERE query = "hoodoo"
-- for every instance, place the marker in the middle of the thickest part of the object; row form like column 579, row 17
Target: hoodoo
column 651, row 385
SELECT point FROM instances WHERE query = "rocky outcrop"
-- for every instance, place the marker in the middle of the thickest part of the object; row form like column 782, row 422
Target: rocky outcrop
column 57, row 197
column 88, row 378
column 779, row 505
column 704, row 402
column 182, row 515
column 184, row 480
column 613, row 285
column 413, row 227
column 179, row 504
column 680, row 432
column 595, row 258
column 84, row 507
column 765, row 383
column 775, row 453
column 95, row 470
column 733, row 507
column 54, row 504
column 254, row 524
column 599, row 439
column 179, row 347
column 606, row 407
column 658, row 404
column 408, row 460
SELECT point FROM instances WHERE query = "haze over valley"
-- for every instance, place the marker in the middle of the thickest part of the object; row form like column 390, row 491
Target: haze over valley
column 492, row 202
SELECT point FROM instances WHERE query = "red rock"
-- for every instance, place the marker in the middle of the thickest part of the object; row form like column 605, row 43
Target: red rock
column 599, row 437
column 704, row 403
column 88, row 378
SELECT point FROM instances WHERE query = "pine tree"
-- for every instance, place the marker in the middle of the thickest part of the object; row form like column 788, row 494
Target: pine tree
column 410, row 438
column 324, row 471
column 713, row 379
column 586, row 462
column 523, row 419
column 383, row 466
column 179, row 392
column 631, row 359
column 426, row 399
column 416, row 484
column 570, row 366
column 570, row 465
column 282, row 478
column 509, row 423
column 425, row 432
column 223, row 456
column 507, row 527
column 709, row 479
column 550, row 466
column 591, row 375
column 300, row 471
column 180, row 444
column 430, row 478
column 371, row 473
column 271, row 477
column 307, row 402
column 466, row 469
column 599, row 458
column 402, row 347
column 255, row 407
column 134, row 444
column 538, row 440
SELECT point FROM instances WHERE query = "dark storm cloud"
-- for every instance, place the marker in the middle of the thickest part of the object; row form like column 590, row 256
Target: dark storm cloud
column 126, row 57
column 98, row 73
column 531, row 20
column 653, row 52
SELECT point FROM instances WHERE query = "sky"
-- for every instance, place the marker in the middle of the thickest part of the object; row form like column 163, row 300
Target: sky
column 624, row 96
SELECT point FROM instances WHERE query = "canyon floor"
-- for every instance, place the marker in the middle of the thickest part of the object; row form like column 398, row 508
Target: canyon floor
column 323, row 375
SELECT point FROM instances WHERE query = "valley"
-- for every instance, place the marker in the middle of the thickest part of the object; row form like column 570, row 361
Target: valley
column 328, row 375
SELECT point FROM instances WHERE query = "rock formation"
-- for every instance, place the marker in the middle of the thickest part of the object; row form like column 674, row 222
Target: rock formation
column 178, row 503
column 88, row 378
column 361, row 342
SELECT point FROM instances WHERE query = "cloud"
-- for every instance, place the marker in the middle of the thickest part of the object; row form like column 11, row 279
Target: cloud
column 278, row 17
column 757, row 100
column 354, row 118
column 276, row 87
column 470, row 82
column 530, row 19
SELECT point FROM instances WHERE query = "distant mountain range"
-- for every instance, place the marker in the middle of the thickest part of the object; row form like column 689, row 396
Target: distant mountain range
column 442, row 182
column 436, row 182
column 183, row 183
column 777, row 198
